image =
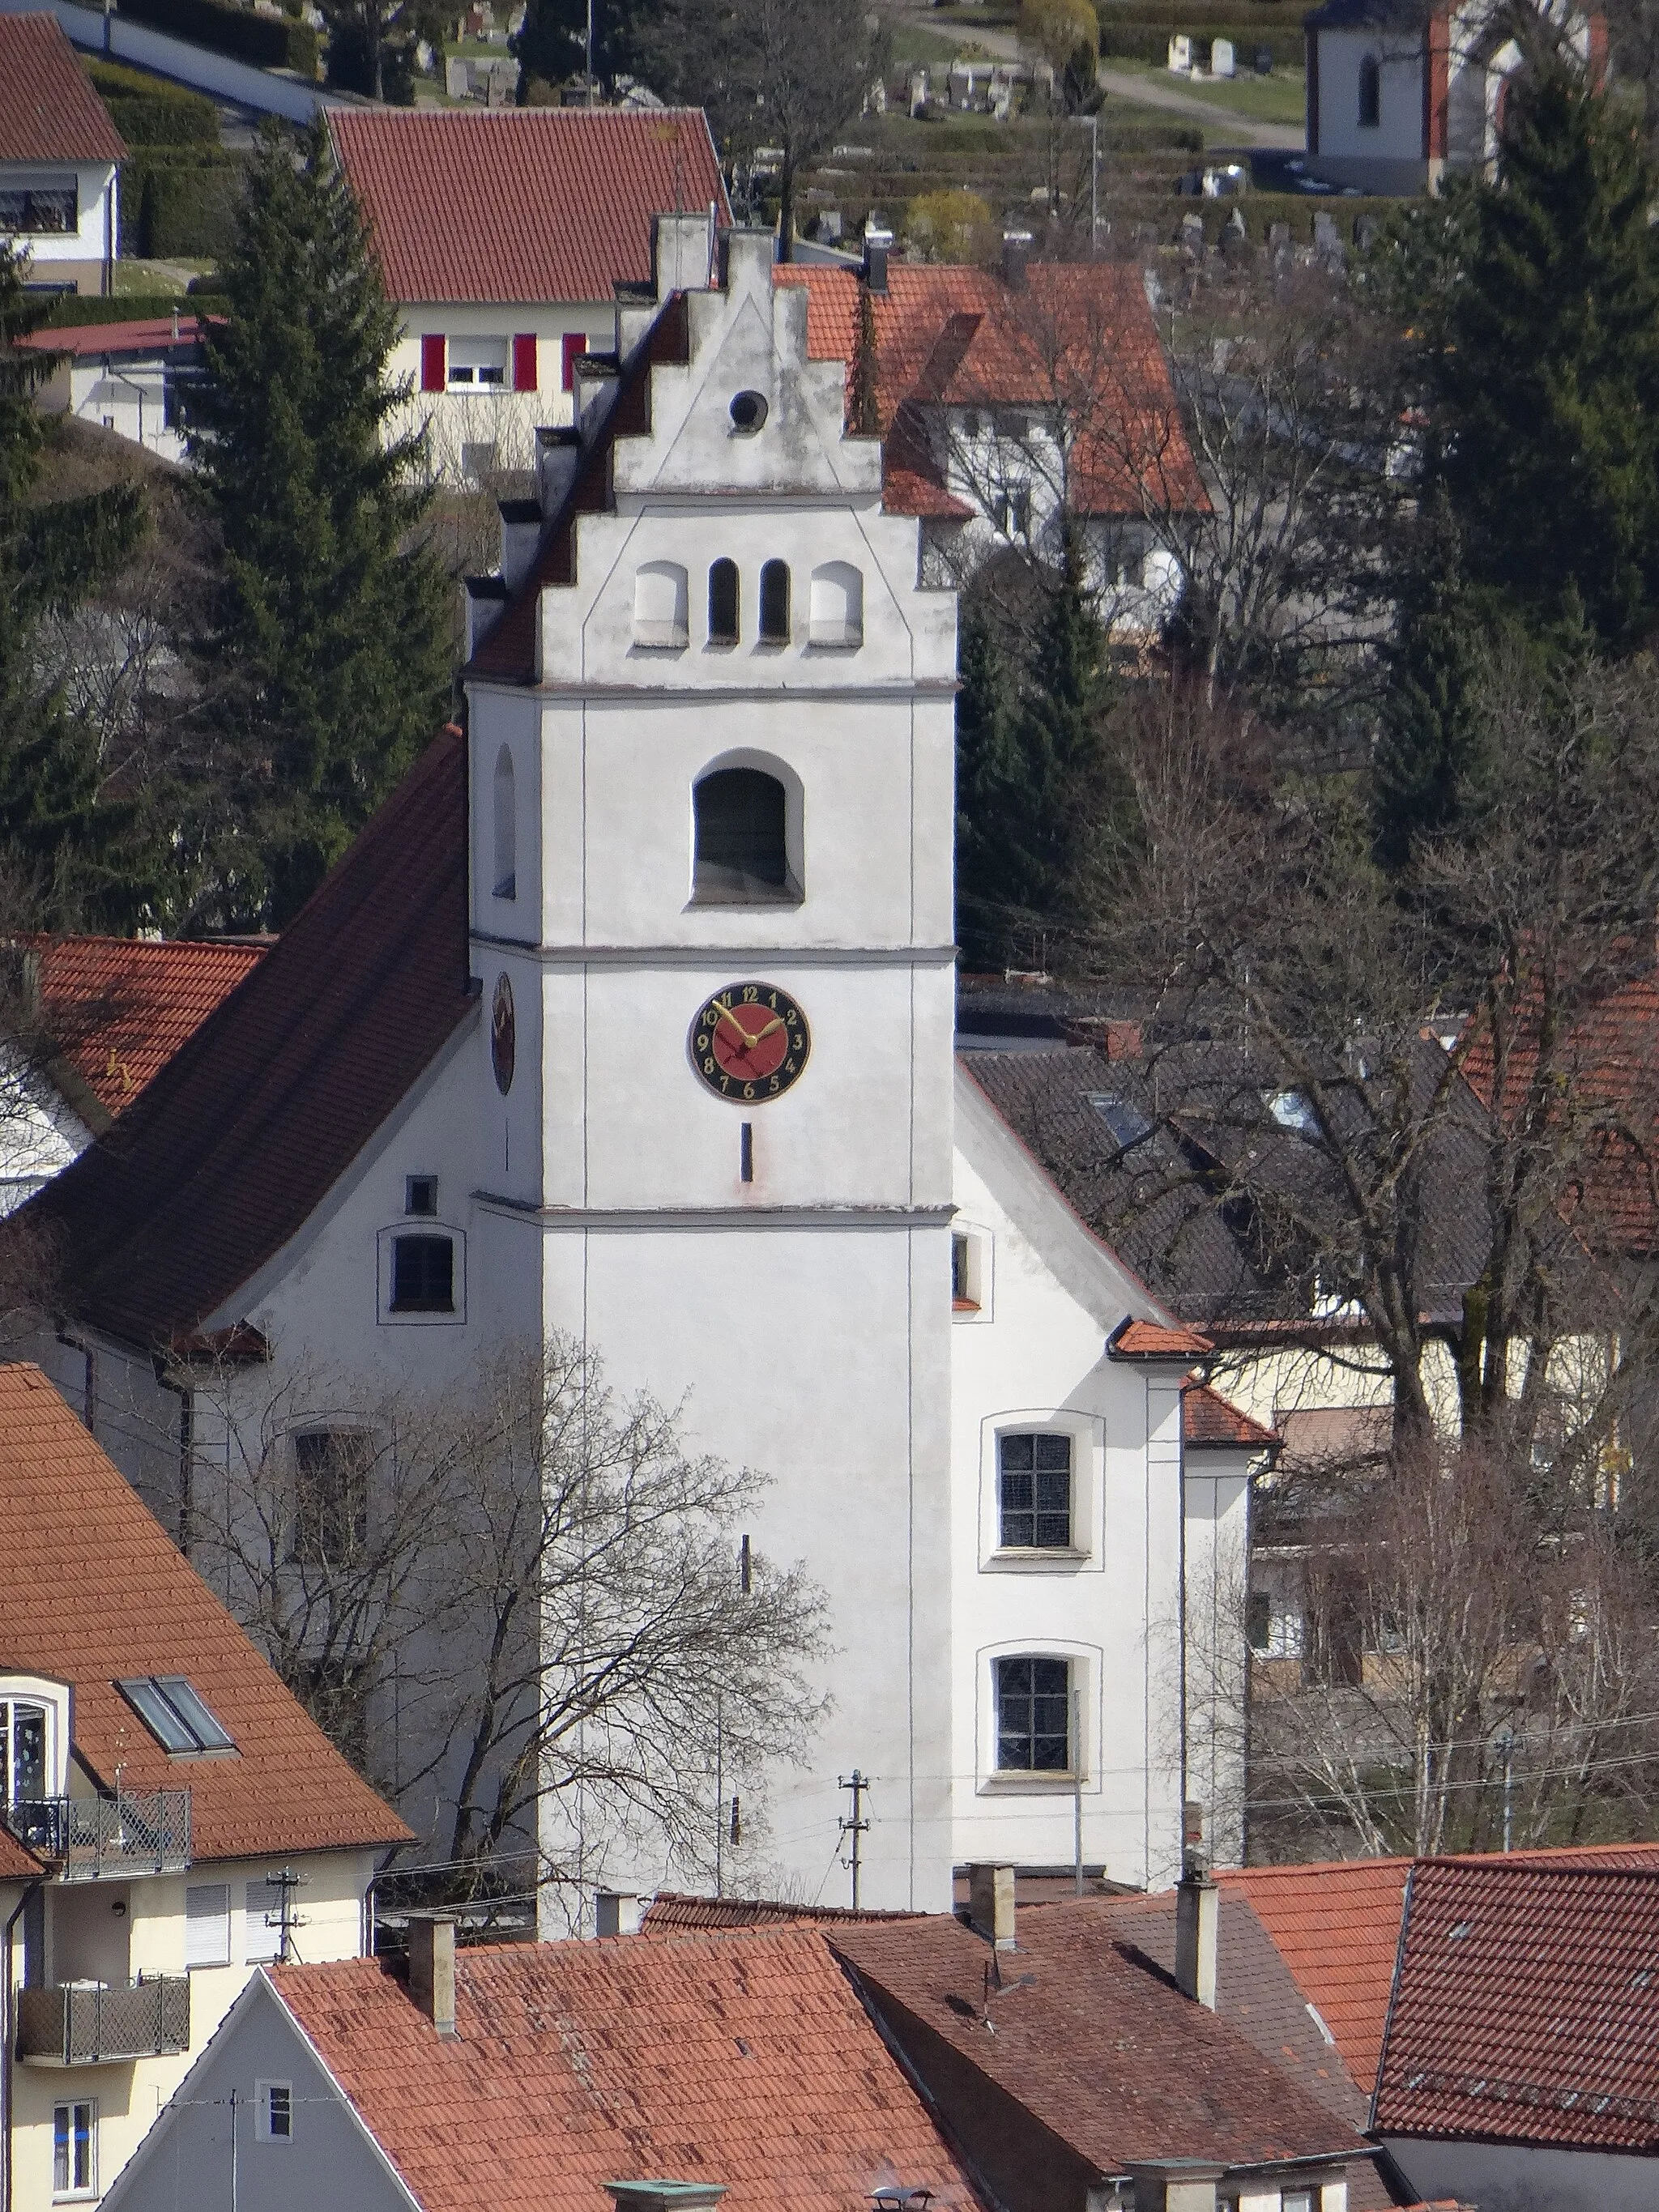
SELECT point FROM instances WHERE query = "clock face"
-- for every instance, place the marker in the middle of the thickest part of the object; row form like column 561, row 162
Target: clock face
column 503, row 1036
column 749, row 1043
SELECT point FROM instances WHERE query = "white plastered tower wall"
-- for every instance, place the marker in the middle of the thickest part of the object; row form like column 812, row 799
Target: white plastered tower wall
column 805, row 1311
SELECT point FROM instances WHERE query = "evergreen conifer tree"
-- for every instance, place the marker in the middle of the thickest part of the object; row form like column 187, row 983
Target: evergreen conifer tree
column 328, row 663
column 1545, row 365
column 51, row 554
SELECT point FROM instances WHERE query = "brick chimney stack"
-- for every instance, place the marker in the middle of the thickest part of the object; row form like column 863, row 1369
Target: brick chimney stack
column 991, row 1905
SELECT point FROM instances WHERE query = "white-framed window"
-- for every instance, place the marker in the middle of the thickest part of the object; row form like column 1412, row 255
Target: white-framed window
column 75, row 2149
column 422, row 1274
column 1034, row 1713
column 1012, row 511
column 25, row 1751
column 477, row 364
column 207, row 1924
column 1034, row 1491
column 1275, row 1628
column 263, row 1933
column 273, row 2112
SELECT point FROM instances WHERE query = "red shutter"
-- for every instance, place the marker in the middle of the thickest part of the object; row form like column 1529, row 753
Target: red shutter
column 524, row 363
column 435, row 366
column 575, row 342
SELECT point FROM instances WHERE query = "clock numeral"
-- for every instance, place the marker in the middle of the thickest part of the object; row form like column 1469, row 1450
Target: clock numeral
column 709, row 1064
column 748, row 1090
column 790, row 1067
column 703, row 1041
column 751, row 992
column 772, row 1087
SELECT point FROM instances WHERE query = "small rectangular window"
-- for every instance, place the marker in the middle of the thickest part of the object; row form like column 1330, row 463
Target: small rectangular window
column 477, row 364
column 75, row 2148
column 1034, row 1492
column 207, row 1924
column 331, row 1497
column 423, row 1274
column 421, row 1192
column 175, row 1715
column 273, row 2112
column 962, row 1274
column 1034, row 1716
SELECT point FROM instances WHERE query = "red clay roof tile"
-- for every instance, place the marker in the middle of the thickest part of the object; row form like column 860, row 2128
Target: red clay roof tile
column 522, row 205
column 745, row 2060
column 48, row 110
column 1526, row 2008
column 117, row 1008
column 1209, row 1420
column 1149, row 1339
column 154, row 334
column 93, row 1592
column 671, row 1913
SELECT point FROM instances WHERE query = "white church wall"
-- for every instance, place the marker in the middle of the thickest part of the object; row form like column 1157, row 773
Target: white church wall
column 1216, row 1489
column 1386, row 156
column 1035, row 1359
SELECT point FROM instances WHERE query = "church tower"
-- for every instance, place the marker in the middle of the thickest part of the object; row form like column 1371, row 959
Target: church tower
column 712, row 802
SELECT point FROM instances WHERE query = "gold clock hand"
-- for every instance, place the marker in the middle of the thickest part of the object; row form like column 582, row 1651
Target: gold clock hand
column 727, row 1015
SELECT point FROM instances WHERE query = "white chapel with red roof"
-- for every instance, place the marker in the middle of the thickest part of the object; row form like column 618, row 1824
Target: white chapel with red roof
column 632, row 1017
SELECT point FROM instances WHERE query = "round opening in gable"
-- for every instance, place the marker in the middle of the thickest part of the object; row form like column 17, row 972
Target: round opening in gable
column 748, row 413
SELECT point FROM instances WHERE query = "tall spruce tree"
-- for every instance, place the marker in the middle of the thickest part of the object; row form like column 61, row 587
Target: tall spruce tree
column 1543, row 366
column 328, row 662
column 51, row 554
column 1036, row 776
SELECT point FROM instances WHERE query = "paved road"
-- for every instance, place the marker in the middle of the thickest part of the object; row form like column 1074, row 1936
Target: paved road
column 1003, row 46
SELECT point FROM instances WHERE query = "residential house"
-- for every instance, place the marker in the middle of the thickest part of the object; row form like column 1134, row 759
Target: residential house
column 169, row 1816
column 1076, row 2071
column 100, row 1015
column 60, row 159
column 709, row 766
column 1520, row 2067
column 1012, row 402
column 124, row 376
column 569, row 2076
column 1403, row 93
column 500, row 237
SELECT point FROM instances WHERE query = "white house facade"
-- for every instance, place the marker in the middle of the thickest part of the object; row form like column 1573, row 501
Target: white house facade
column 59, row 161
column 631, row 1019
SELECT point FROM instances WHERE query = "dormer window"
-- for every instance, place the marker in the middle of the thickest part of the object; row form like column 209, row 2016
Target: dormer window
column 175, row 1714
column 24, row 1746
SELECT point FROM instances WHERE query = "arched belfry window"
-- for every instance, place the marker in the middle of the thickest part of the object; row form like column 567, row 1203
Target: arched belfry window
column 742, row 850
column 505, row 878
column 723, row 603
column 774, row 602
column 1370, row 94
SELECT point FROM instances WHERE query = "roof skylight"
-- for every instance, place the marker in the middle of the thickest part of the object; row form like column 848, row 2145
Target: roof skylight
column 1128, row 1124
column 175, row 1715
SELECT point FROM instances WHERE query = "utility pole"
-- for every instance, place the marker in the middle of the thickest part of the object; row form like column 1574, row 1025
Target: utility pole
column 286, row 1919
column 719, row 1800
column 856, row 1826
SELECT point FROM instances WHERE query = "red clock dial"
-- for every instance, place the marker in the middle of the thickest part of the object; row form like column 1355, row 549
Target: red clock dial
column 749, row 1043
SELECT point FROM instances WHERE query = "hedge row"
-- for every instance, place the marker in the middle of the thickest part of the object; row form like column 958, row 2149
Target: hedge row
column 267, row 41
column 177, row 202
column 1260, row 210
column 72, row 310
column 1262, row 14
column 1150, row 42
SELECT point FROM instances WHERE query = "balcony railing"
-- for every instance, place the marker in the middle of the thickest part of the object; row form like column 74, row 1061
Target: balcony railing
column 87, row 1837
column 89, row 2023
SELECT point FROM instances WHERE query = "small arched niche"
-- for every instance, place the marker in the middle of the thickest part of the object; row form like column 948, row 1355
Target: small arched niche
column 745, row 827
column 774, row 602
column 661, row 600
column 504, row 879
column 724, row 603
column 835, row 612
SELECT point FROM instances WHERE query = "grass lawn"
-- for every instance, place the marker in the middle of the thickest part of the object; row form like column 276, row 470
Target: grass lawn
column 149, row 278
column 1280, row 98
column 913, row 46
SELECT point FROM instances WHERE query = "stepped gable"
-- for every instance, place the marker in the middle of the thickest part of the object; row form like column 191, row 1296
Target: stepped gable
column 94, row 1593
column 229, row 1150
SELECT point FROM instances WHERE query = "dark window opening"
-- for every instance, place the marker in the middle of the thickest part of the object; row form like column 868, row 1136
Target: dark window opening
column 962, row 1274
column 1034, row 1716
column 423, row 1274
column 331, row 1497
column 420, row 1195
column 723, row 603
column 1370, row 94
column 40, row 211
column 1035, row 1492
column 741, row 847
column 774, row 602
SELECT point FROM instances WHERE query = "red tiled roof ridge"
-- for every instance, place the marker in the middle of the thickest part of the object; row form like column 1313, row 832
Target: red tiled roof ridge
column 457, row 201
column 1209, row 1418
column 1147, row 1340
column 50, row 113
column 95, row 1590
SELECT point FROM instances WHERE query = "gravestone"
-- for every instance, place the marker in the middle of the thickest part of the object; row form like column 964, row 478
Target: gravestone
column 1221, row 57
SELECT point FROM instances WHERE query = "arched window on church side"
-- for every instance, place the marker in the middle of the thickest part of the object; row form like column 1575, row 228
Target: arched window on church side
column 723, row 603
column 774, row 602
column 1370, row 94
column 742, row 853
column 506, row 828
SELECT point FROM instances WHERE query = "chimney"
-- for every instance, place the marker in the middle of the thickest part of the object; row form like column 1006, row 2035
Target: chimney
column 682, row 251
column 991, row 1905
column 615, row 1912
column 432, row 1967
column 1197, row 1910
column 1016, row 252
column 877, row 244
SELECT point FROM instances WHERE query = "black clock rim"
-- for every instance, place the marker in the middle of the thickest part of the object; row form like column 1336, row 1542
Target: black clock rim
column 710, row 1084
